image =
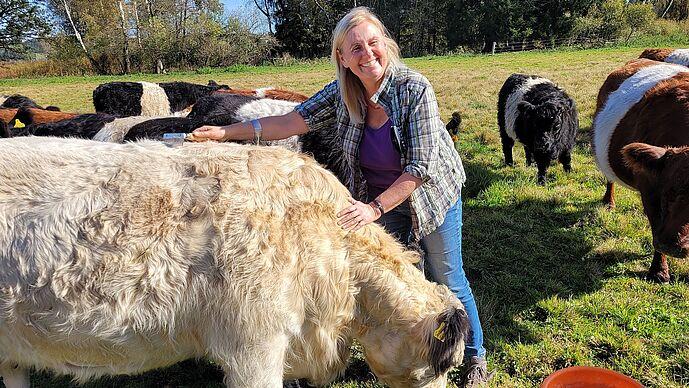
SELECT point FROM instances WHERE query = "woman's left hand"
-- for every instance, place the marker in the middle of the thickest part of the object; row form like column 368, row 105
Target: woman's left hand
column 356, row 215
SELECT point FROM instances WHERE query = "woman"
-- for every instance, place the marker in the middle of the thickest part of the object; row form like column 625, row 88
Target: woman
column 406, row 173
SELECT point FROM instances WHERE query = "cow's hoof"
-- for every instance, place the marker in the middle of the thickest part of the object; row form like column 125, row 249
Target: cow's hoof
column 658, row 277
column 568, row 169
column 509, row 164
column 541, row 181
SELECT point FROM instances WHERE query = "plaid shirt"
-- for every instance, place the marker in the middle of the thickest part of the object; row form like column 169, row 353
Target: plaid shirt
column 426, row 148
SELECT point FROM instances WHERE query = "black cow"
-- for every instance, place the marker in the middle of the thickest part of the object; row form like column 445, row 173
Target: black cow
column 82, row 126
column 541, row 116
column 19, row 101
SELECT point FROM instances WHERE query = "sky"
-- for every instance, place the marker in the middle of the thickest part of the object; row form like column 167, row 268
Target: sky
column 232, row 5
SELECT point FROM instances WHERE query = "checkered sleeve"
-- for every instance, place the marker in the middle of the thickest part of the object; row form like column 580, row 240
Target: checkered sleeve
column 320, row 110
column 425, row 129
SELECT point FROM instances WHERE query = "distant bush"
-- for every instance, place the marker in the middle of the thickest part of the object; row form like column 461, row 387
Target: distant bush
column 614, row 20
column 45, row 68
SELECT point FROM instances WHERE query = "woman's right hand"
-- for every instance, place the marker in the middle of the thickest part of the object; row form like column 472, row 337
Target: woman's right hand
column 208, row 132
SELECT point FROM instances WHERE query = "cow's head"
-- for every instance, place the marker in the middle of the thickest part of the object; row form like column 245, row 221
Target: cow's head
column 661, row 177
column 544, row 123
column 421, row 355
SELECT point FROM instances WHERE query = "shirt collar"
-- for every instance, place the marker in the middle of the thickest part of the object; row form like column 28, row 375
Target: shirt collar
column 383, row 93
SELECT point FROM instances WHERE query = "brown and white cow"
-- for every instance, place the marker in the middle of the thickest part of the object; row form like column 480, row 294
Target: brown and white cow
column 677, row 56
column 641, row 140
column 120, row 258
column 268, row 92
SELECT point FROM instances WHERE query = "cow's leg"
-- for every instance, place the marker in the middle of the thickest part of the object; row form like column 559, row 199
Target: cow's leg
column 507, row 144
column 529, row 156
column 542, row 163
column 256, row 364
column 609, row 197
column 566, row 160
column 13, row 376
column 659, row 271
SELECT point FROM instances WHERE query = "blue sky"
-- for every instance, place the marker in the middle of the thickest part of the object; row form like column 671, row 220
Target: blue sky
column 232, row 5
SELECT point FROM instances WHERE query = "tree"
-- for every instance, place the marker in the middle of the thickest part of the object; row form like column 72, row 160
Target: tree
column 638, row 17
column 20, row 20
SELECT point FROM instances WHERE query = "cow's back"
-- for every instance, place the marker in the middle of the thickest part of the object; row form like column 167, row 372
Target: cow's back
column 98, row 246
column 644, row 101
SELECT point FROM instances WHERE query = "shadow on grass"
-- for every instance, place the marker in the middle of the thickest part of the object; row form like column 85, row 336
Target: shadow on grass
column 190, row 373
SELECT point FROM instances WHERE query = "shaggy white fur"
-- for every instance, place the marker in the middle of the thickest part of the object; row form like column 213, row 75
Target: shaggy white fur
column 121, row 258
column 514, row 99
column 263, row 108
column 679, row 57
column 116, row 130
column 618, row 103
column 154, row 101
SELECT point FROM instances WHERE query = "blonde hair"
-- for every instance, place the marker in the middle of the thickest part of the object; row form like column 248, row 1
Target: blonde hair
column 353, row 93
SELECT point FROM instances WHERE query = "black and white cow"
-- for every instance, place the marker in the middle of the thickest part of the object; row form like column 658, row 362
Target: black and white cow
column 541, row 116
column 224, row 109
column 149, row 99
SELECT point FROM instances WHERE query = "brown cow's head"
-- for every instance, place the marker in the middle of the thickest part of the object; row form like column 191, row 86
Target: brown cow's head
column 662, row 181
column 420, row 356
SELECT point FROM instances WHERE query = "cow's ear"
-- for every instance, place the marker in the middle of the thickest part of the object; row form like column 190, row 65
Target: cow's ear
column 212, row 83
column 446, row 336
column 642, row 157
column 525, row 106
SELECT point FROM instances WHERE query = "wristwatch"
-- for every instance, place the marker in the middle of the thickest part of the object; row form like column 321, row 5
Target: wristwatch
column 258, row 130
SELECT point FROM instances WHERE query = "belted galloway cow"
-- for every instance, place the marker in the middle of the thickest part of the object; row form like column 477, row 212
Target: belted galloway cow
column 537, row 113
column 121, row 258
column 641, row 140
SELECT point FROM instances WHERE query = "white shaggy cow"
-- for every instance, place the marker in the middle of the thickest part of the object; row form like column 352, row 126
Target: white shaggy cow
column 120, row 258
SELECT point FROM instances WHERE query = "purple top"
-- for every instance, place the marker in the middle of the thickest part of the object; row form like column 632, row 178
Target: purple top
column 379, row 159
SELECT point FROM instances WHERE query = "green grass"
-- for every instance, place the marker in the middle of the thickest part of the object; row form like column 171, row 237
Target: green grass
column 558, row 278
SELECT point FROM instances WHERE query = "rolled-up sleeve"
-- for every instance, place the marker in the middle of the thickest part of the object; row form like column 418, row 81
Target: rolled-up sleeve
column 425, row 129
column 320, row 110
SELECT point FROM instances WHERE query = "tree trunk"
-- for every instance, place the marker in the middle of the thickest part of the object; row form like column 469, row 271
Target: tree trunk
column 125, row 40
column 136, row 20
column 93, row 62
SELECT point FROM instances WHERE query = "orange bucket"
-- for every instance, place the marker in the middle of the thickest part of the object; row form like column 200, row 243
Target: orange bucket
column 588, row 377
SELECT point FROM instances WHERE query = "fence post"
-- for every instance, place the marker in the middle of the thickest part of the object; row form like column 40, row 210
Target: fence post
column 492, row 51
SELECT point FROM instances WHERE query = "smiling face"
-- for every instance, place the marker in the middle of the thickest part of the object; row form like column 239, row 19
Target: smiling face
column 364, row 52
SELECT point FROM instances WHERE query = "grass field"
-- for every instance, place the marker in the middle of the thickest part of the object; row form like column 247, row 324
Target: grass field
column 558, row 278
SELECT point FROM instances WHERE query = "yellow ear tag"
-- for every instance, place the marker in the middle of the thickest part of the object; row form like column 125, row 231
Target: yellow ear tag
column 455, row 138
column 18, row 124
column 439, row 333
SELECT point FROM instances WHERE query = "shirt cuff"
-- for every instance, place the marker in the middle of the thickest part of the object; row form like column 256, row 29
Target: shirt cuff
column 417, row 171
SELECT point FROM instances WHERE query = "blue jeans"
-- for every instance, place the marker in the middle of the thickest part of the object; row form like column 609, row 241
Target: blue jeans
column 443, row 262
